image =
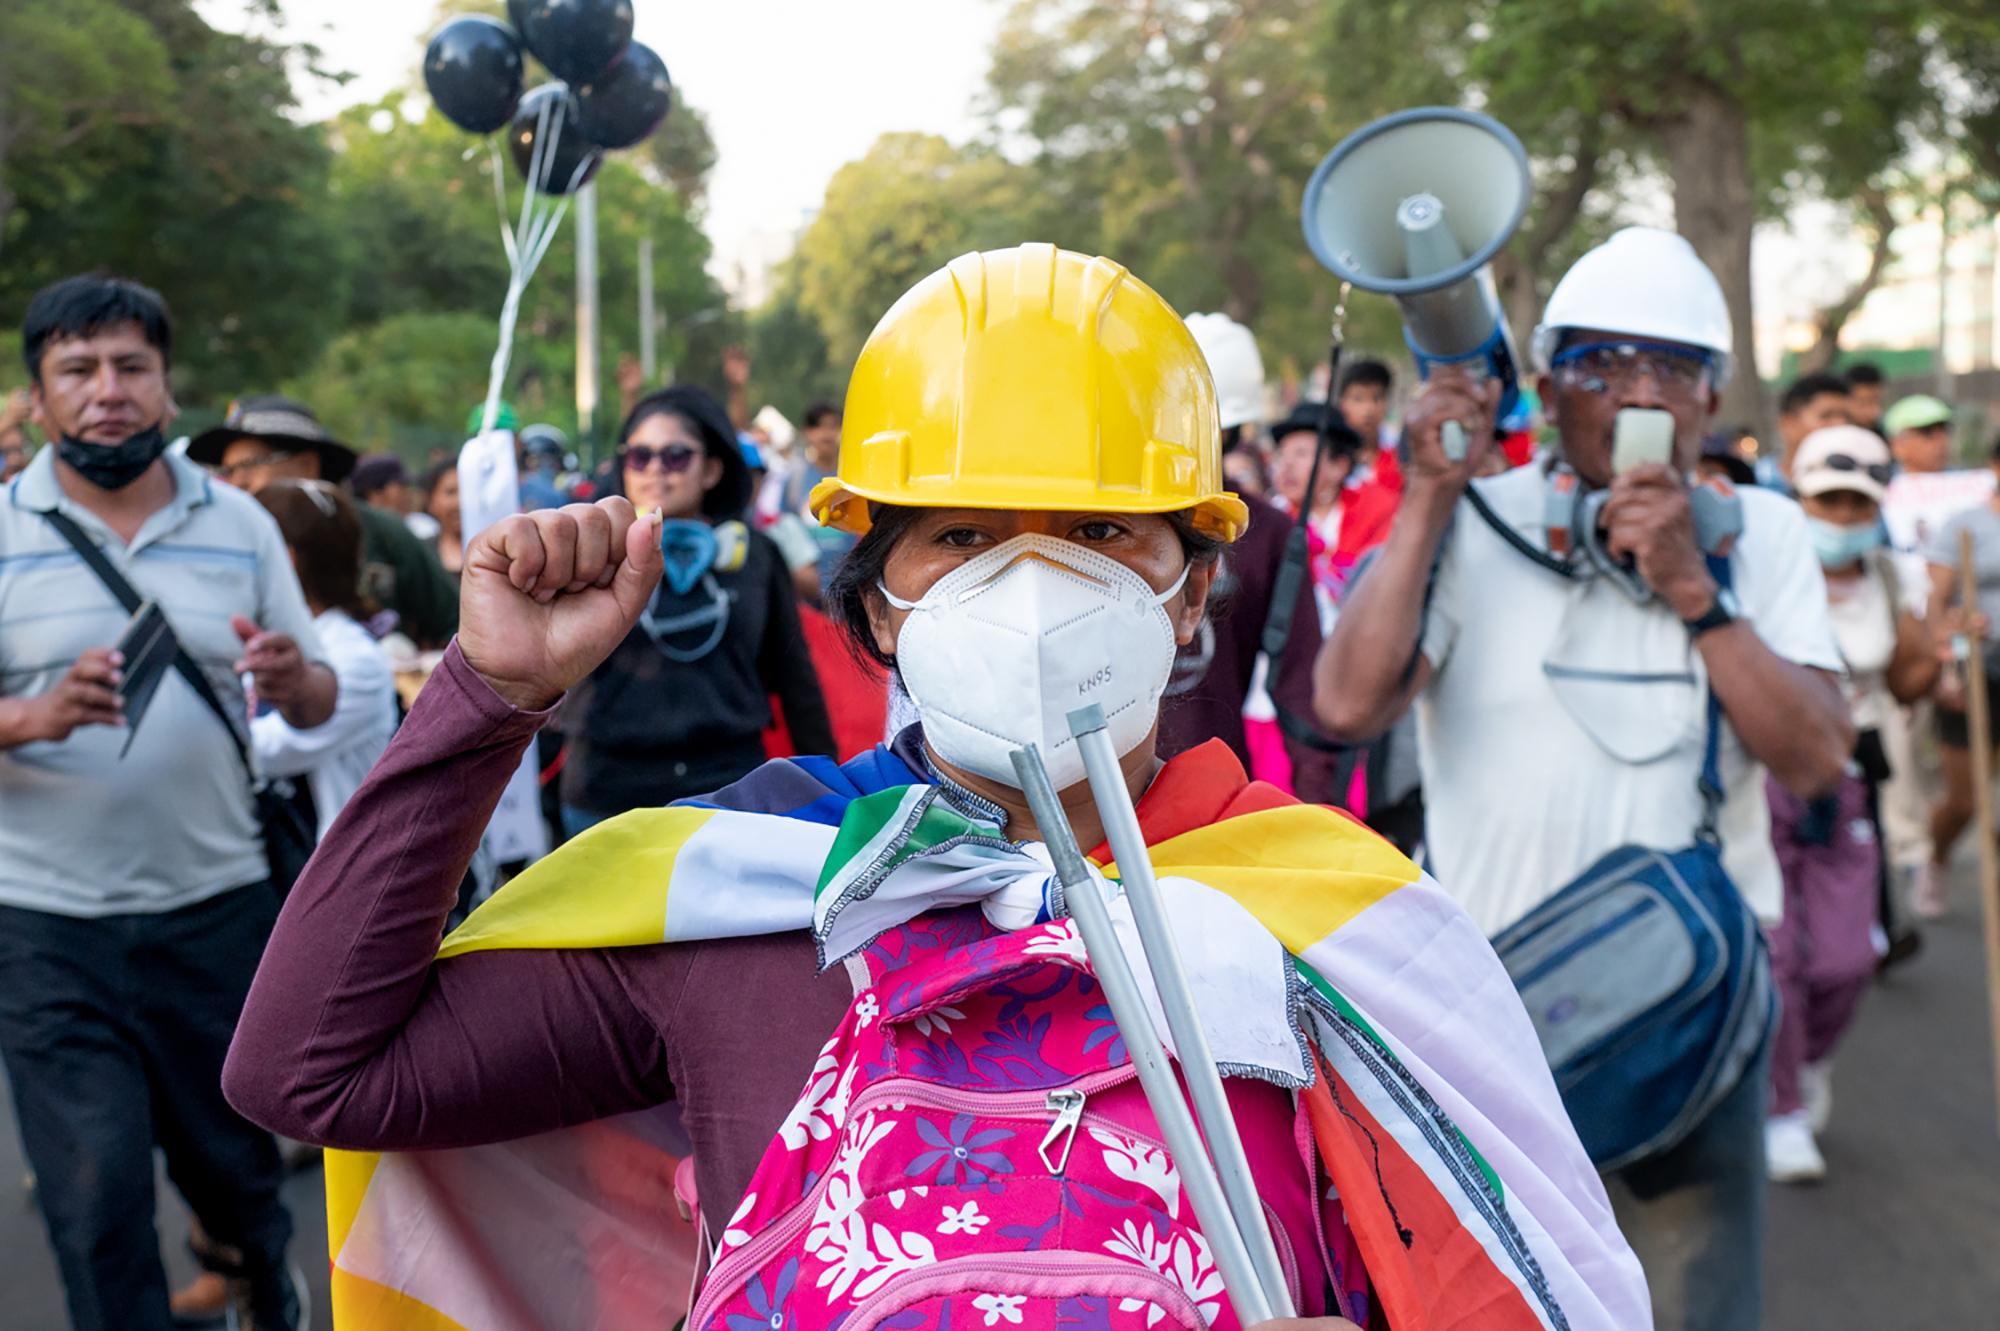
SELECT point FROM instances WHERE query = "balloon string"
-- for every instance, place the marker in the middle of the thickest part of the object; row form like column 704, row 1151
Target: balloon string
column 500, row 204
column 537, row 163
column 534, row 232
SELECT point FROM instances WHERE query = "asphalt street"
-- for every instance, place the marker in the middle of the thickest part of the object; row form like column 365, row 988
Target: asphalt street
column 1904, row 1235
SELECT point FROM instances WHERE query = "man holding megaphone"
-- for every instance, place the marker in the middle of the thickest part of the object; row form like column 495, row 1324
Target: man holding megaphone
column 1602, row 659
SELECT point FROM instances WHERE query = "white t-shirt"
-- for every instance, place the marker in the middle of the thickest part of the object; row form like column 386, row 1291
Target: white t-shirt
column 335, row 756
column 1531, row 774
column 1864, row 624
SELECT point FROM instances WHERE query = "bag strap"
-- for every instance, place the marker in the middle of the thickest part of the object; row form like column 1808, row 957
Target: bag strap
column 124, row 593
column 1712, row 791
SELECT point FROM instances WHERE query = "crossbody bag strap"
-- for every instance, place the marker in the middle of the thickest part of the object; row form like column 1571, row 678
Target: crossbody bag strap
column 1712, row 791
column 126, row 595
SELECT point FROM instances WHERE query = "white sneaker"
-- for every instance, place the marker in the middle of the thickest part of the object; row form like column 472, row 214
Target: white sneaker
column 1816, row 1093
column 1790, row 1154
column 1927, row 897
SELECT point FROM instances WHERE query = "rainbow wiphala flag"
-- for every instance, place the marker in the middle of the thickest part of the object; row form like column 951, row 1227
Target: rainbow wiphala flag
column 1470, row 1198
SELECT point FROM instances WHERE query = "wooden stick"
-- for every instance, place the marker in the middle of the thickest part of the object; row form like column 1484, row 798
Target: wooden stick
column 1972, row 661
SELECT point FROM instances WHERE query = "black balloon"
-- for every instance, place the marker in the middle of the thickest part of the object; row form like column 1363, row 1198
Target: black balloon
column 577, row 39
column 628, row 103
column 562, row 159
column 473, row 71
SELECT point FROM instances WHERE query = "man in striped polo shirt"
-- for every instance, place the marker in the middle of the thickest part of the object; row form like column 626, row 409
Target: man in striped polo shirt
column 134, row 895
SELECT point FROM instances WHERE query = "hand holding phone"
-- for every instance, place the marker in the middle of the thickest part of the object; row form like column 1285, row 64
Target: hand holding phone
column 148, row 647
column 1641, row 436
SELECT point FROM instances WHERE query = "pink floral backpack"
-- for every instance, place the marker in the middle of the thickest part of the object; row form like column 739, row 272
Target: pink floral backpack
column 973, row 1150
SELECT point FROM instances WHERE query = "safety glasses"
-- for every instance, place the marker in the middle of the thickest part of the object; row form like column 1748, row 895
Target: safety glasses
column 673, row 460
column 1597, row 367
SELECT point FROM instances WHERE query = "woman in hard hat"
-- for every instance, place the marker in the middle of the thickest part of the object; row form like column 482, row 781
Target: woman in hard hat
column 1030, row 462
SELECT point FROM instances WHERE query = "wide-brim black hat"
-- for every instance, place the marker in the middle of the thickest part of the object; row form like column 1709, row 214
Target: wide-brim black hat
column 288, row 426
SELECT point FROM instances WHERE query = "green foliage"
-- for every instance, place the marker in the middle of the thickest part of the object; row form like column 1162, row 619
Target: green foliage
column 908, row 207
column 1177, row 138
column 358, row 262
column 419, row 222
column 139, row 139
column 788, row 352
column 404, row 384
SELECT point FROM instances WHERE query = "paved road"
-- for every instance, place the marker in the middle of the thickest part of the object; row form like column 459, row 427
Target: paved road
column 1903, row 1236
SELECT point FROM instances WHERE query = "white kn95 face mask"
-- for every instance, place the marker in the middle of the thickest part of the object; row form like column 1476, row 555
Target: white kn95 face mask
column 1001, row 650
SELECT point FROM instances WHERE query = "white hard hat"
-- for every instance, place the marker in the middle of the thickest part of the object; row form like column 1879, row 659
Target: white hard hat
column 1643, row 282
column 1231, row 351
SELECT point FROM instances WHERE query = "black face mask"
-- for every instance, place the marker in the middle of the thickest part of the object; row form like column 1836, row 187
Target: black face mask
column 113, row 466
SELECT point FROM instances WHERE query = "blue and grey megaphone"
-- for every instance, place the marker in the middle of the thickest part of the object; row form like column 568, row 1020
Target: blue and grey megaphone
column 1414, row 207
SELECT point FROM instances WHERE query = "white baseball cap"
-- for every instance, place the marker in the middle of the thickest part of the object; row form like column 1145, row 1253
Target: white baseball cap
column 1842, row 457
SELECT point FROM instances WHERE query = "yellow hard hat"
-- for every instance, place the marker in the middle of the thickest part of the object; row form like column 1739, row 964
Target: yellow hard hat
column 1031, row 378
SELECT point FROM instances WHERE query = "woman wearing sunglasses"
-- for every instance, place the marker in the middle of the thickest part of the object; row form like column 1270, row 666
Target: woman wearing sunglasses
column 682, row 704
column 1823, row 954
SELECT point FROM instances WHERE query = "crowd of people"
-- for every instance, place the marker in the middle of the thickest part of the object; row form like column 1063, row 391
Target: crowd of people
column 1535, row 670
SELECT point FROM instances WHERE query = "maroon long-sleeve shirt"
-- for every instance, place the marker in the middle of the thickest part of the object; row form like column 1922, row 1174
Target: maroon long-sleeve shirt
column 355, row 1036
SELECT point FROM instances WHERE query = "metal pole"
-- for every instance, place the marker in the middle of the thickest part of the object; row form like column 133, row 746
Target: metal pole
column 1944, row 288
column 1163, row 958
column 649, row 320
column 1156, row 1075
column 1971, row 654
column 586, row 318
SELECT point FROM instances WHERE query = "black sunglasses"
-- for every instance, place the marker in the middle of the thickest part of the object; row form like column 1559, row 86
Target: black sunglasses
column 1879, row 472
column 673, row 459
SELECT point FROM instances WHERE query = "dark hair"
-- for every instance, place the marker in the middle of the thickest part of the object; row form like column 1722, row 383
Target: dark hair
column 1864, row 374
column 324, row 530
column 1365, row 372
column 1995, row 453
column 1809, row 386
column 88, row 304
column 704, row 418
column 1341, row 440
column 428, row 481
column 861, row 572
column 374, row 474
column 820, row 411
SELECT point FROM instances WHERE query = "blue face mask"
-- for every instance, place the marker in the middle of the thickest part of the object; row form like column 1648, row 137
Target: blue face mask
column 1839, row 546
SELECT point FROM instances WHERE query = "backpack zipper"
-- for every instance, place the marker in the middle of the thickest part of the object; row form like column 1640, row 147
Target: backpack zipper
column 1067, row 1106
column 731, row 1269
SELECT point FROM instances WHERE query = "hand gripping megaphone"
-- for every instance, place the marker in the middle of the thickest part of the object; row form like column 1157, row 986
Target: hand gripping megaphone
column 1414, row 207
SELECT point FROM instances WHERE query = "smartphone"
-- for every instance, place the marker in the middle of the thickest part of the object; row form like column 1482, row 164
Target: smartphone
column 1639, row 436
column 149, row 646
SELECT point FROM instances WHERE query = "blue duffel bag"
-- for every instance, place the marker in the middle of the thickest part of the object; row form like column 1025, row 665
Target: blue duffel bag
column 1649, row 984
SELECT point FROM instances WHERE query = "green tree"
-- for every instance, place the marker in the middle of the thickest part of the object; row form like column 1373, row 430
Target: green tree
column 1742, row 107
column 788, row 353
column 909, row 206
column 70, row 77
column 415, row 207
column 143, row 140
column 1177, row 137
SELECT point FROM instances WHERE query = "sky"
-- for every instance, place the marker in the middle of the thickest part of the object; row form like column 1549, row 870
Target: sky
column 793, row 89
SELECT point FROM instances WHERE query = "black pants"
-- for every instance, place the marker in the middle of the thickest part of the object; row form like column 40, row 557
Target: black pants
column 114, row 1031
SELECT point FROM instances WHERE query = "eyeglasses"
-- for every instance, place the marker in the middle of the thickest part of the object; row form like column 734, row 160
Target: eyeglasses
column 672, row 460
column 1879, row 472
column 231, row 471
column 1596, row 366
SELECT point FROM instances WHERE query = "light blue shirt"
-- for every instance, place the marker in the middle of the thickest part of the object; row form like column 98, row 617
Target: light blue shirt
column 84, row 831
